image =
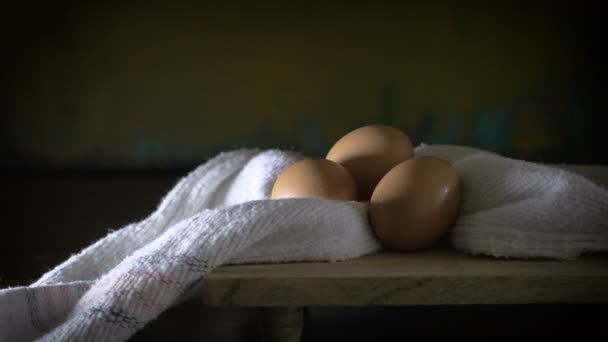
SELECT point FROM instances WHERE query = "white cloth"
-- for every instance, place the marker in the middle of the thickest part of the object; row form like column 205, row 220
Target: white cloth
column 220, row 213
column 514, row 208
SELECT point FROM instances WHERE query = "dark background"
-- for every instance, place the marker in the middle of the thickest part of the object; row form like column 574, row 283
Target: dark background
column 103, row 106
column 111, row 85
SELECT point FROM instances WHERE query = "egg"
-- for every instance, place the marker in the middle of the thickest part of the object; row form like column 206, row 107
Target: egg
column 415, row 203
column 369, row 152
column 320, row 178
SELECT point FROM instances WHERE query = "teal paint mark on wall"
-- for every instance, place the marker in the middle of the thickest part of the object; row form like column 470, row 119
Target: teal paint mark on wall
column 141, row 146
column 492, row 130
column 146, row 149
column 424, row 129
column 164, row 153
column 309, row 135
column 453, row 128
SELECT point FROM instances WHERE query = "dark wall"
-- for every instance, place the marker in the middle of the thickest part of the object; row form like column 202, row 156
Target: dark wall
column 166, row 84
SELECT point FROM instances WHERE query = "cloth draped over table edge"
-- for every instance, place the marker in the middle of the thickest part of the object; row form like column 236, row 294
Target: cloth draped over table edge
column 220, row 213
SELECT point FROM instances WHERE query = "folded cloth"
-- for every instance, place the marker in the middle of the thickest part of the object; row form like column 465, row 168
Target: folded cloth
column 220, row 213
column 514, row 208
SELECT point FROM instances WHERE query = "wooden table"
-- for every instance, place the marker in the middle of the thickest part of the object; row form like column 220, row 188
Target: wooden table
column 439, row 276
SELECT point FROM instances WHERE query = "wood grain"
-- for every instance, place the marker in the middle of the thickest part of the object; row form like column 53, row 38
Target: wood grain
column 434, row 277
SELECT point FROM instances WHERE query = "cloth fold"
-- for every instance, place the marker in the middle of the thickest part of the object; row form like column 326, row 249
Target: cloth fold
column 515, row 208
column 220, row 213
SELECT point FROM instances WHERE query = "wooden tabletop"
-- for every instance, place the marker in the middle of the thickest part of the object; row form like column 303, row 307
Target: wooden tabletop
column 434, row 277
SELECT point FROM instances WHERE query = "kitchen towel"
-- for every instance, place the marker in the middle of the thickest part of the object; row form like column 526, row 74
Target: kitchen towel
column 220, row 213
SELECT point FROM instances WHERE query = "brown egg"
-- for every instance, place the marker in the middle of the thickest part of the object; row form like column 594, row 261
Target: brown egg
column 369, row 152
column 315, row 178
column 415, row 203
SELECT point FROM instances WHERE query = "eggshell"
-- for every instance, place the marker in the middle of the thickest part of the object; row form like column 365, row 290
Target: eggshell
column 369, row 152
column 415, row 203
column 319, row 178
